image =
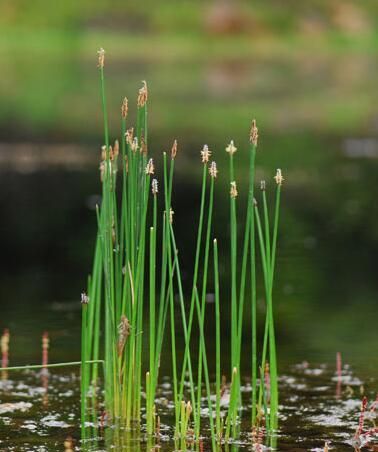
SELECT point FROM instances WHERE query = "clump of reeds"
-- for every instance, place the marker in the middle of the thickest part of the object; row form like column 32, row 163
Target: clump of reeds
column 135, row 242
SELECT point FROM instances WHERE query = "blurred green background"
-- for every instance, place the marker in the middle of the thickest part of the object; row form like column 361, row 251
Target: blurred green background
column 305, row 70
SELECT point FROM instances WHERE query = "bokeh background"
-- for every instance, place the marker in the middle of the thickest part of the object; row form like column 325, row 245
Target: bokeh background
column 307, row 71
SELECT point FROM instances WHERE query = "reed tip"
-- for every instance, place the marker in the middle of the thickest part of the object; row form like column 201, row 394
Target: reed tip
column 215, row 241
column 143, row 95
column 233, row 189
column 154, row 187
column 84, row 298
column 171, row 213
column 262, row 185
column 124, row 108
column 278, row 177
column 150, row 167
column 205, row 153
column 231, row 149
column 174, row 149
column 254, row 134
column 101, row 57
column 255, row 202
column 213, row 171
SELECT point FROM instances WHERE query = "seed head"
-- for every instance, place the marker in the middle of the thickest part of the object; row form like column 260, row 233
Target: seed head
column 171, row 213
column 143, row 146
column 262, row 185
column 143, row 95
column 174, row 150
column 129, row 136
column 124, row 108
column 154, row 185
column 213, row 169
column 103, row 152
column 205, row 153
column 116, row 149
column 123, row 333
column 84, row 298
column 233, row 190
column 101, row 57
column 278, row 177
column 134, row 144
column 150, row 167
column 254, row 135
column 231, row 149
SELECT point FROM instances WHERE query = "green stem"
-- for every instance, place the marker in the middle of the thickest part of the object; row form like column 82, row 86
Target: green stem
column 217, row 342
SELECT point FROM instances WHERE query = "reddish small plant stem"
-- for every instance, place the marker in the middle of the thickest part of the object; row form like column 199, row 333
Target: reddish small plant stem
column 45, row 348
column 338, row 365
column 5, row 348
column 362, row 418
column 45, row 362
column 338, row 371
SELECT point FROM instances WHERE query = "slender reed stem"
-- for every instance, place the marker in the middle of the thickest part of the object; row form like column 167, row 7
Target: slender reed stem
column 217, row 343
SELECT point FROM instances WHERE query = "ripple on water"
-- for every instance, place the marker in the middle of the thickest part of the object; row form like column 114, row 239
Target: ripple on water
column 315, row 406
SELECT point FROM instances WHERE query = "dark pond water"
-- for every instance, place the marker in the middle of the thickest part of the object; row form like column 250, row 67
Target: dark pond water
column 325, row 297
column 40, row 412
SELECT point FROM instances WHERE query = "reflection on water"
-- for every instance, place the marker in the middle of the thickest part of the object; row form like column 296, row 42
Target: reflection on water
column 312, row 413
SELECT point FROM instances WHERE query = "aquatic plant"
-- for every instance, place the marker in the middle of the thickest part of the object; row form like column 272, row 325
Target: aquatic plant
column 135, row 244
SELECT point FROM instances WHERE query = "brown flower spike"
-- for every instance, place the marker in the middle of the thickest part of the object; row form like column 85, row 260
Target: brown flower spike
column 254, row 135
column 101, row 57
column 143, row 95
column 174, row 150
column 205, row 153
column 278, row 177
column 124, row 108
column 213, row 169
column 154, row 187
column 233, row 190
column 150, row 167
column 231, row 149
